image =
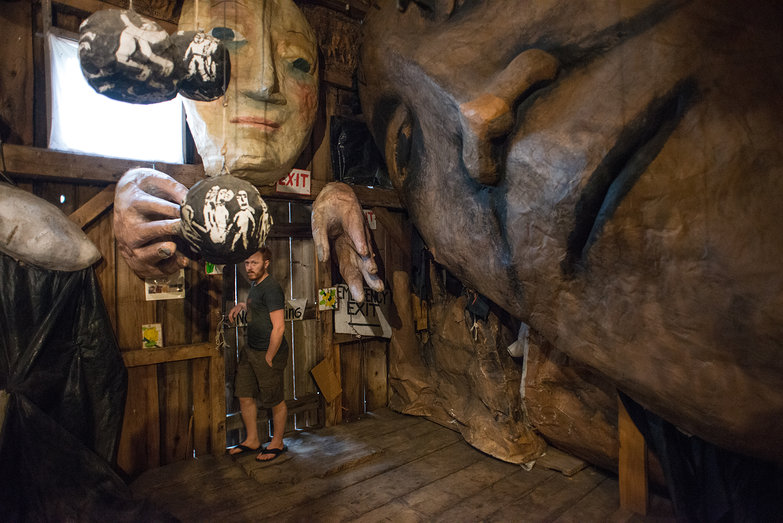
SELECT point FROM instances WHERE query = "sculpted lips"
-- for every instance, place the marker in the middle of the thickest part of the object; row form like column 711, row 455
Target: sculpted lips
column 636, row 147
column 255, row 121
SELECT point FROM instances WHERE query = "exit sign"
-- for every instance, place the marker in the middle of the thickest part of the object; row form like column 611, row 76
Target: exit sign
column 296, row 182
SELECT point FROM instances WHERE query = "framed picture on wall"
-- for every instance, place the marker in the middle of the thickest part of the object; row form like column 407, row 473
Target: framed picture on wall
column 151, row 336
column 167, row 288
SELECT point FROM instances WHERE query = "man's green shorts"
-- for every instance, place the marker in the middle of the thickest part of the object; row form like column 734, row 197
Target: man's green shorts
column 256, row 379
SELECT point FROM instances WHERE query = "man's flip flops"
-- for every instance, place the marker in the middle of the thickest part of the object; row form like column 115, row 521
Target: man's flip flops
column 275, row 452
column 242, row 450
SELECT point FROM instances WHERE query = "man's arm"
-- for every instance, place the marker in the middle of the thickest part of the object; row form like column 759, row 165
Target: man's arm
column 236, row 309
column 276, row 338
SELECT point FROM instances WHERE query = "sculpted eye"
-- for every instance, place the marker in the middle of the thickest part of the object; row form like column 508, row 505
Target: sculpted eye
column 302, row 65
column 435, row 10
column 398, row 145
column 231, row 38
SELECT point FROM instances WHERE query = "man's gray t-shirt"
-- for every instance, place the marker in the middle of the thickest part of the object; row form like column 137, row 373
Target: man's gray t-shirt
column 262, row 299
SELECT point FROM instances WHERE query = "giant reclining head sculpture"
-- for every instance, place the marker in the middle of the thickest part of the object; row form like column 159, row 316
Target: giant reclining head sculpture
column 611, row 175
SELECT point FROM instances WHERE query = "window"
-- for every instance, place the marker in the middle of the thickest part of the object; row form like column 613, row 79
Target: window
column 86, row 122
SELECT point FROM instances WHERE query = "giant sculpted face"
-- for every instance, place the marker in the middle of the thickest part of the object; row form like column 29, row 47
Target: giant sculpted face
column 266, row 116
column 611, row 174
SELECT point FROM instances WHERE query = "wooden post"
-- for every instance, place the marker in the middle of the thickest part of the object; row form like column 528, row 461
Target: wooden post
column 632, row 464
column 217, row 369
column 330, row 351
column 217, row 397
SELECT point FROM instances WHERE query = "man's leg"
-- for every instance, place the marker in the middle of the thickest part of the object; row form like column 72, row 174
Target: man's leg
column 249, row 411
column 279, row 417
column 245, row 387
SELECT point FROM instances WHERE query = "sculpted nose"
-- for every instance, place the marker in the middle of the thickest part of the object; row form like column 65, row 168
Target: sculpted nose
column 262, row 83
column 488, row 119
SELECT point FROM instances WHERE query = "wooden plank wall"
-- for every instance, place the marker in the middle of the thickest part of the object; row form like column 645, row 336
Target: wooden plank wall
column 364, row 362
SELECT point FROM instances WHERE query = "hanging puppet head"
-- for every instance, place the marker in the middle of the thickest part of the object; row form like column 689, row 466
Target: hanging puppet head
column 130, row 58
column 224, row 219
column 265, row 118
column 206, row 64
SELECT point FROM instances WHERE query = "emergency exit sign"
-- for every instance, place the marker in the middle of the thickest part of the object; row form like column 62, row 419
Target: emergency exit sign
column 296, row 182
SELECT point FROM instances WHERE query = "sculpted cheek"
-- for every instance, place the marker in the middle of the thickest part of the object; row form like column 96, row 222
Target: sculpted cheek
column 306, row 96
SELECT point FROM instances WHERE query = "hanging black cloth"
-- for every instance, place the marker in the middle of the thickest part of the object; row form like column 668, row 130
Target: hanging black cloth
column 707, row 483
column 356, row 159
column 62, row 394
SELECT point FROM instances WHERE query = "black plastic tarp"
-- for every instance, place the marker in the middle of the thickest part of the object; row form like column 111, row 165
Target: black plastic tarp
column 62, row 392
column 707, row 483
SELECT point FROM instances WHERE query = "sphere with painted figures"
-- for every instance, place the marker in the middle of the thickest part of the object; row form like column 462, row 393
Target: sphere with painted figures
column 128, row 57
column 206, row 64
column 224, row 219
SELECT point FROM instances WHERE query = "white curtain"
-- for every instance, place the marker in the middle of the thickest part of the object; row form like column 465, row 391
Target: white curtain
column 87, row 122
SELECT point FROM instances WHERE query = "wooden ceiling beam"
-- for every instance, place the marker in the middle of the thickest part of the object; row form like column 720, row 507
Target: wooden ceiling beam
column 46, row 164
column 91, row 6
column 39, row 163
column 95, row 206
column 356, row 9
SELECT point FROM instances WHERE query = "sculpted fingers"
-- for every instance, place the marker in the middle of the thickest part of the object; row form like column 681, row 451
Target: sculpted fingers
column 338, row 216
column 154, row 260
column 320, row 237
column 150, row 206
column 337, row 213
column 356, row 227
column 154, row 183
column 163, row 186
column 350, row 268
column 143, row 233
column 370, row 272
column 146, row 222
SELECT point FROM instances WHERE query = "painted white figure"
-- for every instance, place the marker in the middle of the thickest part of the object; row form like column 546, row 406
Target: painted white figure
column 216, row 215
column 133, row 38
column 244, row 222
column 210, row 209
column 199, row 57
column 189, row 231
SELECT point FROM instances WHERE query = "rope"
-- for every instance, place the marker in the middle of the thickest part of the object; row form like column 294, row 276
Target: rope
column 220, row 337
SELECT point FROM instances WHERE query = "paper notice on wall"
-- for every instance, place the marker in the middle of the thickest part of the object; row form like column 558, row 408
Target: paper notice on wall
column 295, row 309
column 368, row 318
column 170, row 287
column 327, row 299
column 370, row 217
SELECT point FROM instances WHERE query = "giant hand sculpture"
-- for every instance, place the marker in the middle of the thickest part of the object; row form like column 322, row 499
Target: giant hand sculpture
column 147, row 223
column 338, row 217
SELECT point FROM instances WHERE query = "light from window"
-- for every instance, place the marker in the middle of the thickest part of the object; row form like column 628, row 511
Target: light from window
column 87, row 122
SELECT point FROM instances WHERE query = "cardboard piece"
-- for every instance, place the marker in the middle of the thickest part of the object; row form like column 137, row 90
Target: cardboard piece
column 326, row 380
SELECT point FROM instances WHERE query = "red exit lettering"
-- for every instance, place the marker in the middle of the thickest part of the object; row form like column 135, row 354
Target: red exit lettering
column 297, row 181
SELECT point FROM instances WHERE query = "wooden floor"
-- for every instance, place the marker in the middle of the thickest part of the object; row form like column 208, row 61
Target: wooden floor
column 385, row 467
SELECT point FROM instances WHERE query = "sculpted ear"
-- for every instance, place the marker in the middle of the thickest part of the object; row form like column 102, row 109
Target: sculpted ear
column 398, row 145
